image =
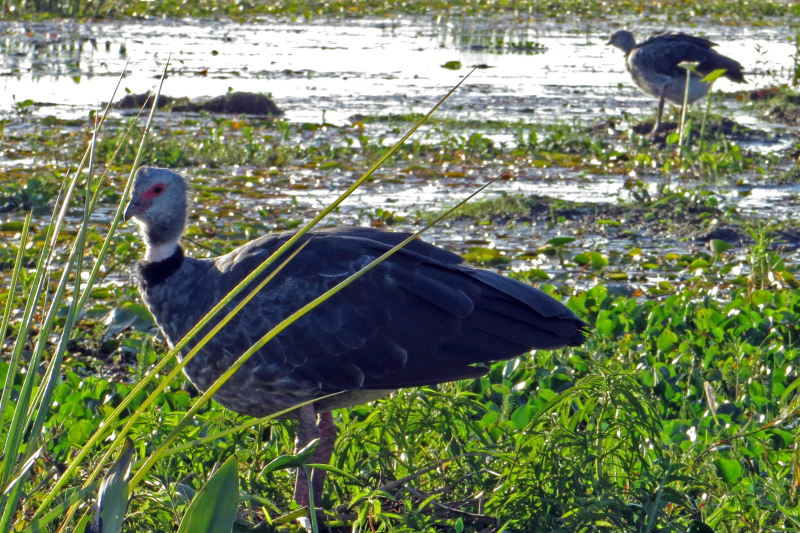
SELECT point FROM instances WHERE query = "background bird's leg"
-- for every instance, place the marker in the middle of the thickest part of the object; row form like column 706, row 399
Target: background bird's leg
column 307, row 431
column 657, row 125
column 322, row 455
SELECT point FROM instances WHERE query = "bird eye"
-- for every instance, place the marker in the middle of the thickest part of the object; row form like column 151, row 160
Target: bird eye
column 158, row 189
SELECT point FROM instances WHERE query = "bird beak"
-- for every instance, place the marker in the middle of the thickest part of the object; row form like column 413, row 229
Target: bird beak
column 610, row 41
column 135, row 207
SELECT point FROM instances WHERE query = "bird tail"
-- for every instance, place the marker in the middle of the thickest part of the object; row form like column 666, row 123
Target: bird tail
column 733, row 69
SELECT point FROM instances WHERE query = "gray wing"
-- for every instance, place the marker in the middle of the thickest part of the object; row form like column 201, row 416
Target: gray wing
column 663, row 52
column 420, row 317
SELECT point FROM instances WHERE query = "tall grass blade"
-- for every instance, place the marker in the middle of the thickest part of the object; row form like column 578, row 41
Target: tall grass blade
column 312, row 512
column 109, row 422
column 210, row 315
column 23, row 470
column 106, row 243
column 40, row 406
column 62, row 200
column 12, row 289
column 20, row 420
column 155, row 456
column 75, row 496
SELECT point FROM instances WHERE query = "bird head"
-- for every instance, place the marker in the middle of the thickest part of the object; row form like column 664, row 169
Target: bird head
column 622, row 39
column 158, row 206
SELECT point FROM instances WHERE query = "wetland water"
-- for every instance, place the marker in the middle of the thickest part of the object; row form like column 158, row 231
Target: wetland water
column 536, row 71
column 532, row 73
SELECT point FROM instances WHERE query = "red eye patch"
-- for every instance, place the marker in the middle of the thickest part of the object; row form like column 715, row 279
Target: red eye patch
column 154, row 191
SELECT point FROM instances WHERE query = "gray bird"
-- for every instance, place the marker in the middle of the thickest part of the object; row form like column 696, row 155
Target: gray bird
column 653, row 65
column 419, row 318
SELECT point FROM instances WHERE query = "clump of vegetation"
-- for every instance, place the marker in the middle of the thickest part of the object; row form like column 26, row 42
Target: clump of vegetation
column 679, row 414
column 725, row 10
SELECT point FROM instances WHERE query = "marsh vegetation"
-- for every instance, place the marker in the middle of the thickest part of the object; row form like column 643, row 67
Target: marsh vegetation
column 679, row 414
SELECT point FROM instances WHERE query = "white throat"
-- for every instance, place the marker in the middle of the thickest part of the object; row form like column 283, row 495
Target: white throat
column 161, row 251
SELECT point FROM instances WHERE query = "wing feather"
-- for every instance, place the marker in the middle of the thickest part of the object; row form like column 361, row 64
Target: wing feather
column 421, row 317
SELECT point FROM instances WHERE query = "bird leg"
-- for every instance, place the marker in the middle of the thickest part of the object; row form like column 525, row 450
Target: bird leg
column 657, row 125
column 308, row 430
column 322, row 455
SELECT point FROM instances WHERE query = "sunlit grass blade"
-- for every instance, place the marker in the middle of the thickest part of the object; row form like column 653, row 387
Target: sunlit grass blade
column 20, row 420
column 99, row 260
column 12, row 288
column 109, row 422
column 118, row 215
column 689, row 66
column 23, row 470
column 210, row 315
column 38, row 407
column 61, row 199
column 29, row 416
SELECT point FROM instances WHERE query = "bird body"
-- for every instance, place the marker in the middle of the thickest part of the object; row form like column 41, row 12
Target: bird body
column 420, row 317
column 654, row 65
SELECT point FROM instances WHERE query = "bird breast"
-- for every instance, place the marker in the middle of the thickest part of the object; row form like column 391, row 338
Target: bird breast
column 672, row 88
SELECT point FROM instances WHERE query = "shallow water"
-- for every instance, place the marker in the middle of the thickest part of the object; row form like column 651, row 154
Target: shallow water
column 537, row 72
column 331, row 70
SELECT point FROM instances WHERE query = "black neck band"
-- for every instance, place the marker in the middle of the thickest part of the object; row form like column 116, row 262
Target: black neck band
column 152, row 273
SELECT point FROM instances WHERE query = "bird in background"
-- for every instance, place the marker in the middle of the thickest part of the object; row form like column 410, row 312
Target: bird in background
column 654, row 66
column 420, row 317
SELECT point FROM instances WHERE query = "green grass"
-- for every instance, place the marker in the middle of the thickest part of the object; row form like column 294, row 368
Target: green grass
column 679, row 414
column 555, row 441
column 728, row 11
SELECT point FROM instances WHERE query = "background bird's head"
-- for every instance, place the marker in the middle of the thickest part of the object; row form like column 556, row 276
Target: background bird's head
column 158, row 206
column 622, row 39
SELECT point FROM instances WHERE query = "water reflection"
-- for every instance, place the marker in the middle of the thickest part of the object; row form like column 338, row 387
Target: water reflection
column 540, row 72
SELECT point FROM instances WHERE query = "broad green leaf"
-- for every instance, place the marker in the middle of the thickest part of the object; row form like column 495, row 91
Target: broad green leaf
column 477, row 254
column 761, row 297
column 560, row 241
column 523, row 415
column 14, row 225
column 291, row 461
column 717, row 246
column 214, row 508
column 728, row 469
column 666, row 340
column 594, row 259
column 714, row 75
column 605, row 326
